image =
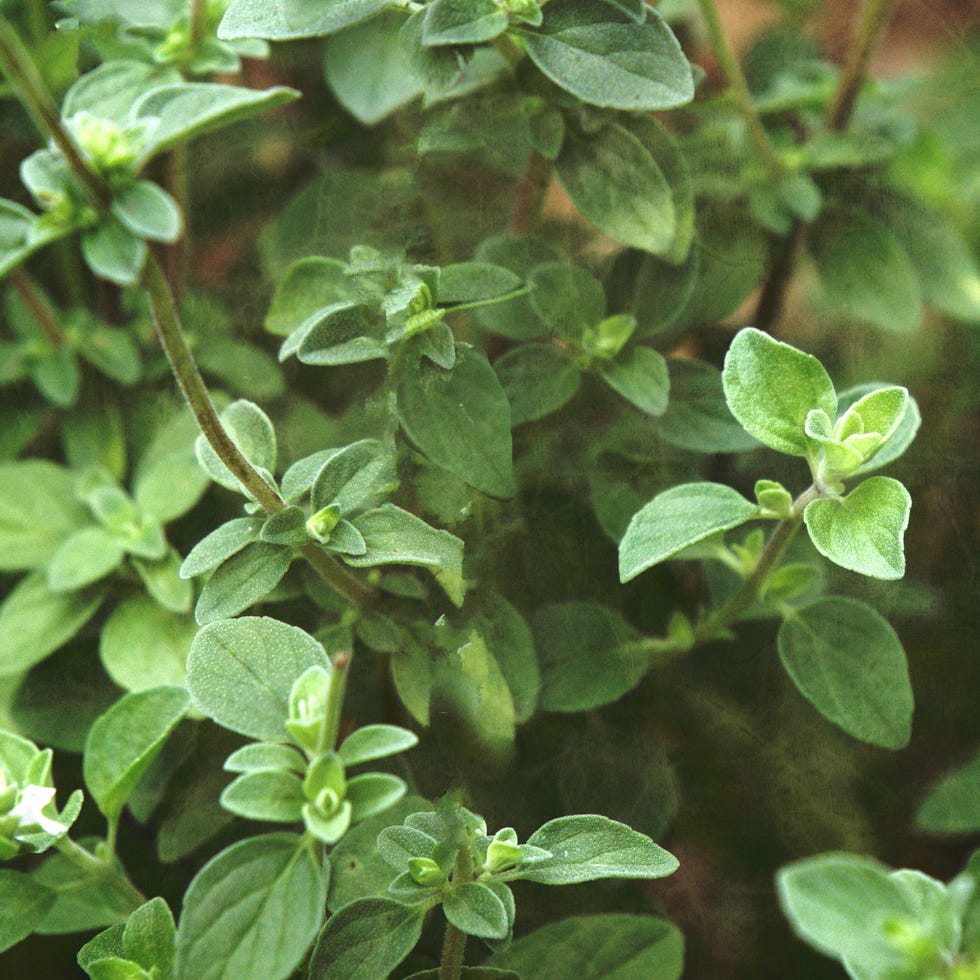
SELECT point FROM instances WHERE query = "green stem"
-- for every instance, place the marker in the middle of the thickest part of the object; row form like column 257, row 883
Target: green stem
column 17, row 65
column 185, row 369
column 102, row 871
column 198, row 16
column 718, row 622
column 453, row 951
column 39, row 307
column 872, row 22
column 340, row 668
column 178, row 255
column 739, row 89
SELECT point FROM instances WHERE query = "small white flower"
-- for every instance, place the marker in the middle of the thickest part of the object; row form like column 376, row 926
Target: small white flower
column 33, row 799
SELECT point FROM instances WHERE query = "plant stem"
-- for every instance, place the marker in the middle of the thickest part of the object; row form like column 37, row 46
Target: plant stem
column 531, row 194
column 453, row 951
column 718, row 622
column 18, row 66
column 872, row 21
column 39, row 307
column 340, row 667
column 185, row 369
column 178, row 255
column 198, row 14
column 102, row 871
column 739, row 89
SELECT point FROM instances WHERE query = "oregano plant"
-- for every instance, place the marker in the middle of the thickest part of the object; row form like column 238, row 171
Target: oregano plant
column 415, row 416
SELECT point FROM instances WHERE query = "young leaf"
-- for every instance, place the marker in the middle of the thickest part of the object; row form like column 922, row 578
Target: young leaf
column 126, row 739
column 676, row 519
column 837, row 902
column 24, row 902
column 250, row 429
column 242, row 581
column 265, row 756
column 607, row 59
column 34, row 621
column 597, row 947
column 344, row 333
column 148, row 211
column 21, row 235
column 470, row 282
column 308, row 286
column 113, row 252
column 863, row 531
column 38, row 510
column 373, row 793
column 567, row 298
column 252, row 911
column 240, row 673
column 473, row 908
column 771, row 387
column 849, row 663
column 587, row 847
column 269, row 794
column 460, row 419
column 375, row 742
column 585, row 656
column 615, row 182
column 366, row 939
column 900, row 439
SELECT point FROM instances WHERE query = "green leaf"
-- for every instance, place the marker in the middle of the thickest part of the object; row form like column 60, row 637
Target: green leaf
column 586, row 656
column 250, row 429
column 457, row 22
column 34, row 621
column 538, row 380
column 110, row 90
column 953, row 804
column 394, row 536
column 113, row 252
column 126, row 739
column 470, row 282
column 460, row 420
column 375, row 742
column 163, row 582
column 510, row 640
column 148, row 211
column 611, row 946
column 242, row 581
column 849, row 663
column 265, row 756
column 144, row 645
column 111, row 350
column 252, row 911
column 308, row 286
column 587, row 847
column 567, row 298
column 471, row 702
column 268, row 794
column 83, row 558
column 901, row 438
column 221, row 544
column 366, row 940
column 150, row 938
column 23, row 904
column 290, row 19
column 21, row 234
column 520, row 254
column 287, row 528
column 606, row 59
column 863, row 531
column 373, row 793
column 474, row 909
column 368, row 71
column 177, row 113
column 641, row 378
column 676, row 519
column 107, row 943
column 615, row 182
column 38, row 510
column 865, row 273
column 240, row 673
column 343, row 333
column 350, row 478
column 771, row 388
column 838, row 903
